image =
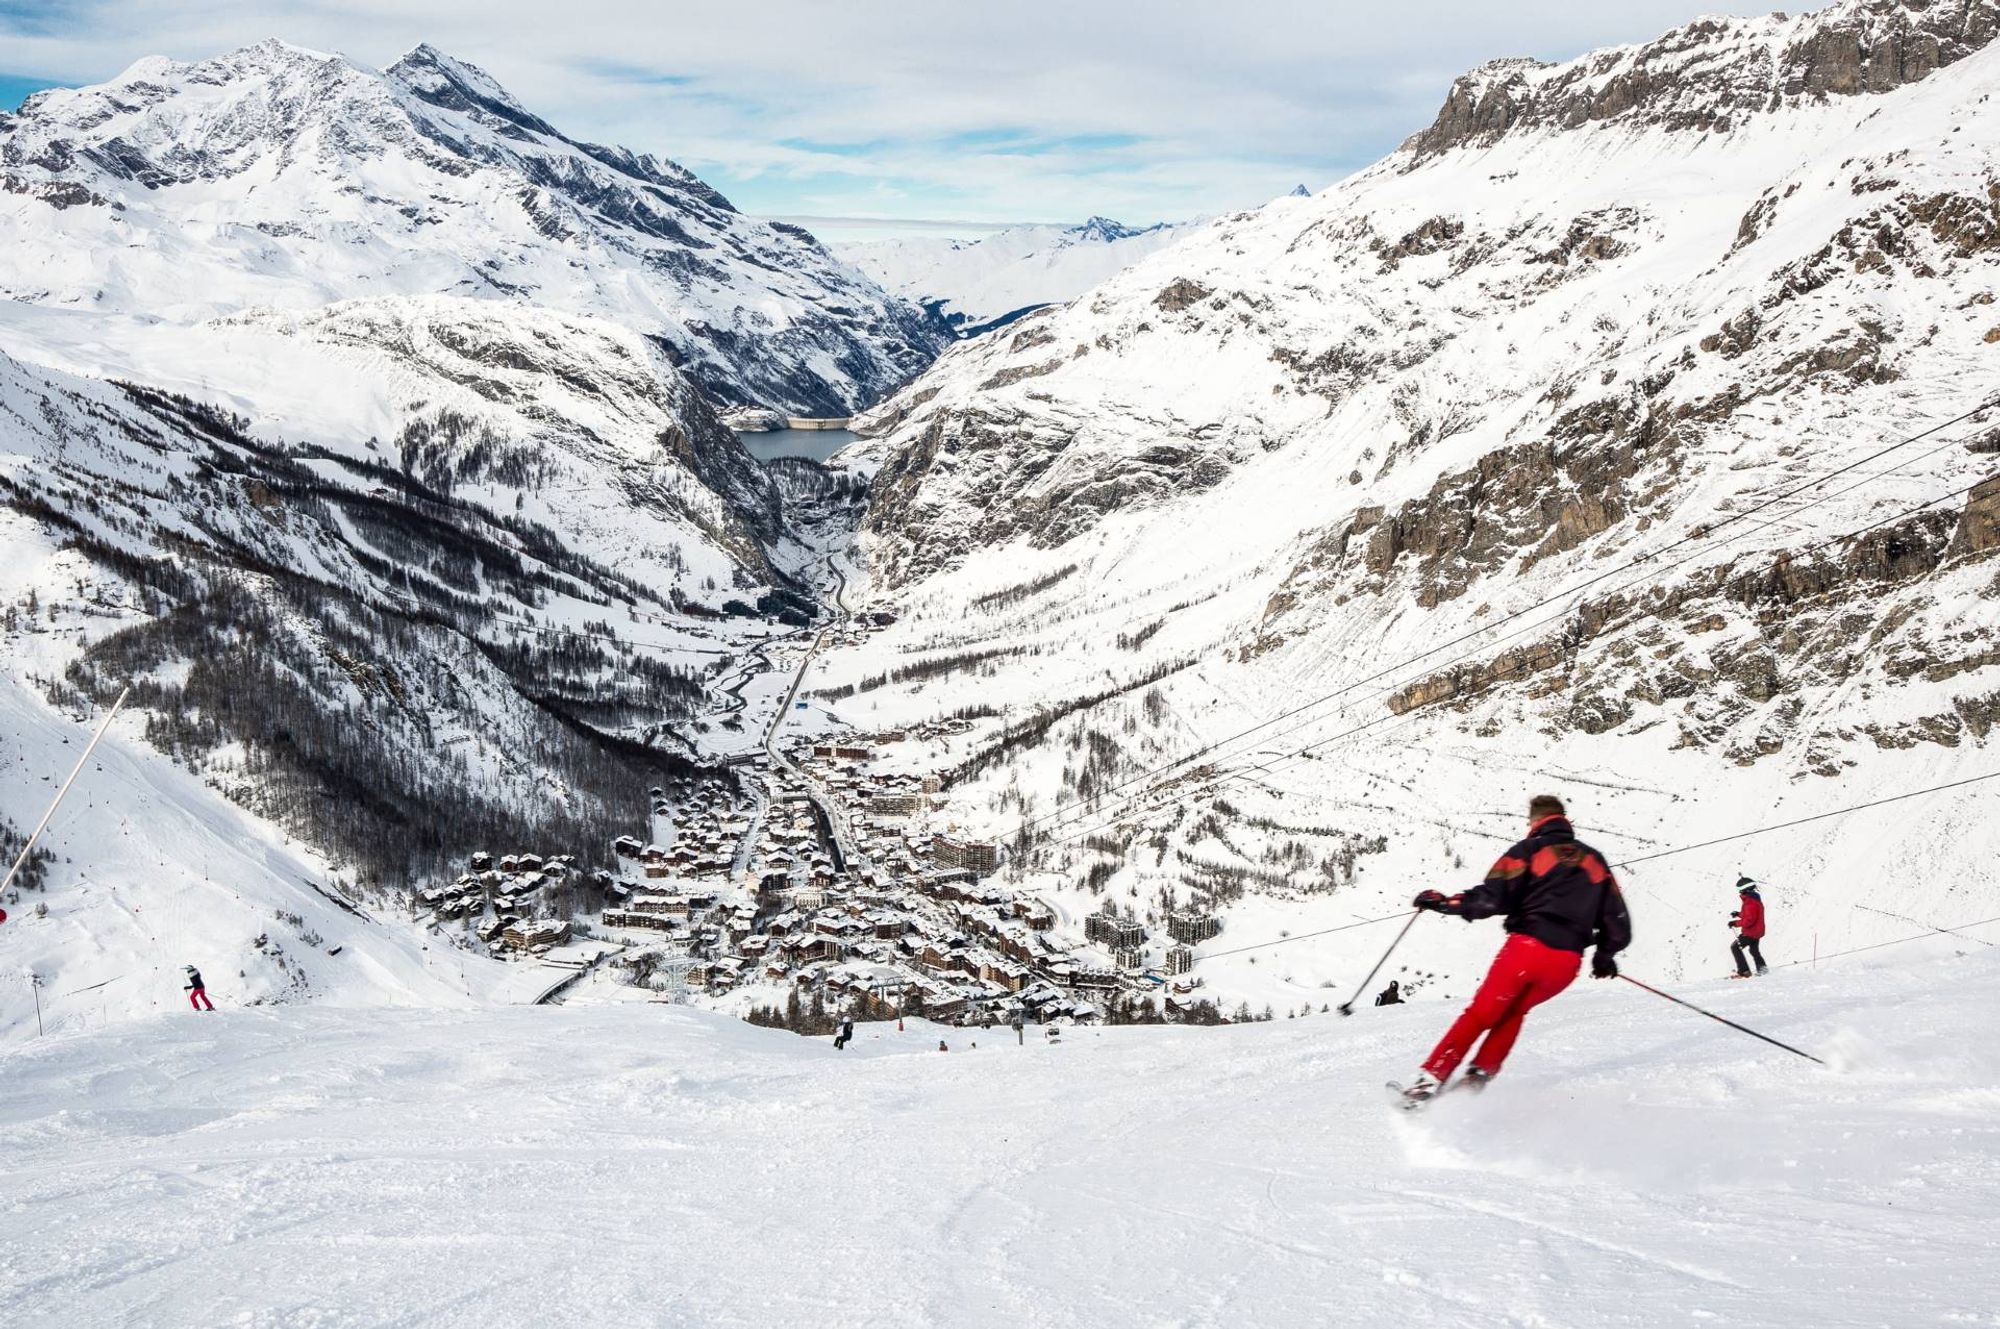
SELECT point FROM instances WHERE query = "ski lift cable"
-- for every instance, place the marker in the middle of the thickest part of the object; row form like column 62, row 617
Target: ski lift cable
column 1905, row 918
column 1803, row 821
column 1273, row 763
column 1898, row 941
column 1702, row 534
column 1809, row 549
column 1690, row 848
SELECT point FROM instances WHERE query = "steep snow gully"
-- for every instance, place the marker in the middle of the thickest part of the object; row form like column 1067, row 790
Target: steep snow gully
column 659, row 1165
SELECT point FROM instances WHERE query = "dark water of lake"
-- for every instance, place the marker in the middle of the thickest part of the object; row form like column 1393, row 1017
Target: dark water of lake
column 818, row 444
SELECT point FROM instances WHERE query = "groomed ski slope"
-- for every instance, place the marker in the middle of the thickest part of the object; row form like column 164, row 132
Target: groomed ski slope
column 655, row 1165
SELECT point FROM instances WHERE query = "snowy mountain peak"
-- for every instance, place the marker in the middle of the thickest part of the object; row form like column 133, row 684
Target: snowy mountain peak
column 977, row 286
column 1708, row 75
column 278, row 177
column 1299, row 191
column 459, row 86
column 1103, row 230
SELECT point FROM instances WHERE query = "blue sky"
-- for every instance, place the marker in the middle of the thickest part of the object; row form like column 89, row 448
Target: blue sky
column 1032, row 110
column 13, row 87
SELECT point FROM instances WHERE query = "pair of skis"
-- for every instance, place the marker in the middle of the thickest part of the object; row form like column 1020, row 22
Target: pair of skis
column 1401, row 1097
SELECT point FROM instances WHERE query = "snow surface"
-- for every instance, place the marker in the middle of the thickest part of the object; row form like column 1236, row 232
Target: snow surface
column 154, row 871
column 1635, row 1166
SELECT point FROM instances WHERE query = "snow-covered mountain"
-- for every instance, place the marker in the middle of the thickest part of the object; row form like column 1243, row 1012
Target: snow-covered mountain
column 978, row 285
column 364, row 425
column 1481, row 471
column 280, row 178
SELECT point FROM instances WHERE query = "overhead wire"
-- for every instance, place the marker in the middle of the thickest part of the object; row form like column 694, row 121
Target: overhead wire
column 1285, row 759
column 1702, row 534
column 1849, row 535
column 1669, row 853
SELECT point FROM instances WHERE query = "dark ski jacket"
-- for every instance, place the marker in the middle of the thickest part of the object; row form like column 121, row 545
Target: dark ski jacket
column 1555, row 888
column 1389, row 996
column 194, row 983
column 1749, row 919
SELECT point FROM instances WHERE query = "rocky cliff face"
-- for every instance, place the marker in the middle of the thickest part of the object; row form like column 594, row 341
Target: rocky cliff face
column 279, row 177
column 1713, row 73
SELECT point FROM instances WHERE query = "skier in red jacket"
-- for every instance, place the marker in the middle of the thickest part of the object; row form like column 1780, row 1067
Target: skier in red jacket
column 1748, row 920
column 1559, row 896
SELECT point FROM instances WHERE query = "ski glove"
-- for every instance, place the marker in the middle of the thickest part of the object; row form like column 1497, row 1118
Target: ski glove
column 1431, row 900
column 1603, row 966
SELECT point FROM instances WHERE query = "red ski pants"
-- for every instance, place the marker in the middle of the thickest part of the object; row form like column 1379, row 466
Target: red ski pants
column 1524, row 975
column 198, row 999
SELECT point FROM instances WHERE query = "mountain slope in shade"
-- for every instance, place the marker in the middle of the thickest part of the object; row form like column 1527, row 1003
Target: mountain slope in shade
column 284, row 178
column 1333, row 449
column 978, row 285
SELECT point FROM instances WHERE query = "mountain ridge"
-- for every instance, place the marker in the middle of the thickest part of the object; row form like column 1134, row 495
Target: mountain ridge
column 978, row 286
column 1849, row 48
column 288, row 177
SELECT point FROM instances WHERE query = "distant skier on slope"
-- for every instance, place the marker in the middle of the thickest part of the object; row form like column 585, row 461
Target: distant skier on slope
column 841, row 1039
column 197, row 991
column 1748, row 920
column 1559, row 896
column 1391, row 995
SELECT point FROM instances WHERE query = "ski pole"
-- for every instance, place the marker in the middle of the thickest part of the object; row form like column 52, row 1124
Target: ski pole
column 28, row 845
column 1719, row 1020
column 1347, row 1007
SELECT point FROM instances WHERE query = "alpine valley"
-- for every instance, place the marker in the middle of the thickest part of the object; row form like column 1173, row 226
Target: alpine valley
column 1629, row 432
column 395, row 631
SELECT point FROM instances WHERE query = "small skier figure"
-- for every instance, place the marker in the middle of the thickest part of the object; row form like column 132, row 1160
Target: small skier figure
column 942, row 1047
column 1391, row 995
column 1559, row 896
column 1748, row 920
column 841, row 1039
column 197, row 991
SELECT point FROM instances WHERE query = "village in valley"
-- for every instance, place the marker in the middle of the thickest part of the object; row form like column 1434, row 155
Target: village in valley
column 812, row 880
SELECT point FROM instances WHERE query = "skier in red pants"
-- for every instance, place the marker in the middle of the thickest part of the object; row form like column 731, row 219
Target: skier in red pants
column 1559, row 896
column 197, row 991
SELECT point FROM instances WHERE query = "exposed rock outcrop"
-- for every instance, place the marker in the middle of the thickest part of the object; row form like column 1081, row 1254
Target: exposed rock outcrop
column 1711, row 74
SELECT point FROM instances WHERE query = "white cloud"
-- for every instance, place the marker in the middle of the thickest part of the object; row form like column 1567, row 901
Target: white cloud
column 1032, row 110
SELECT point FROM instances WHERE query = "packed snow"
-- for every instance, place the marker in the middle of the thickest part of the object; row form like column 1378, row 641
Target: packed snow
column 1636, row 1164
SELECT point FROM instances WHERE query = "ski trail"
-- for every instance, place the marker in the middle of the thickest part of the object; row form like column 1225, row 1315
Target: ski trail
column 1460, row 1204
